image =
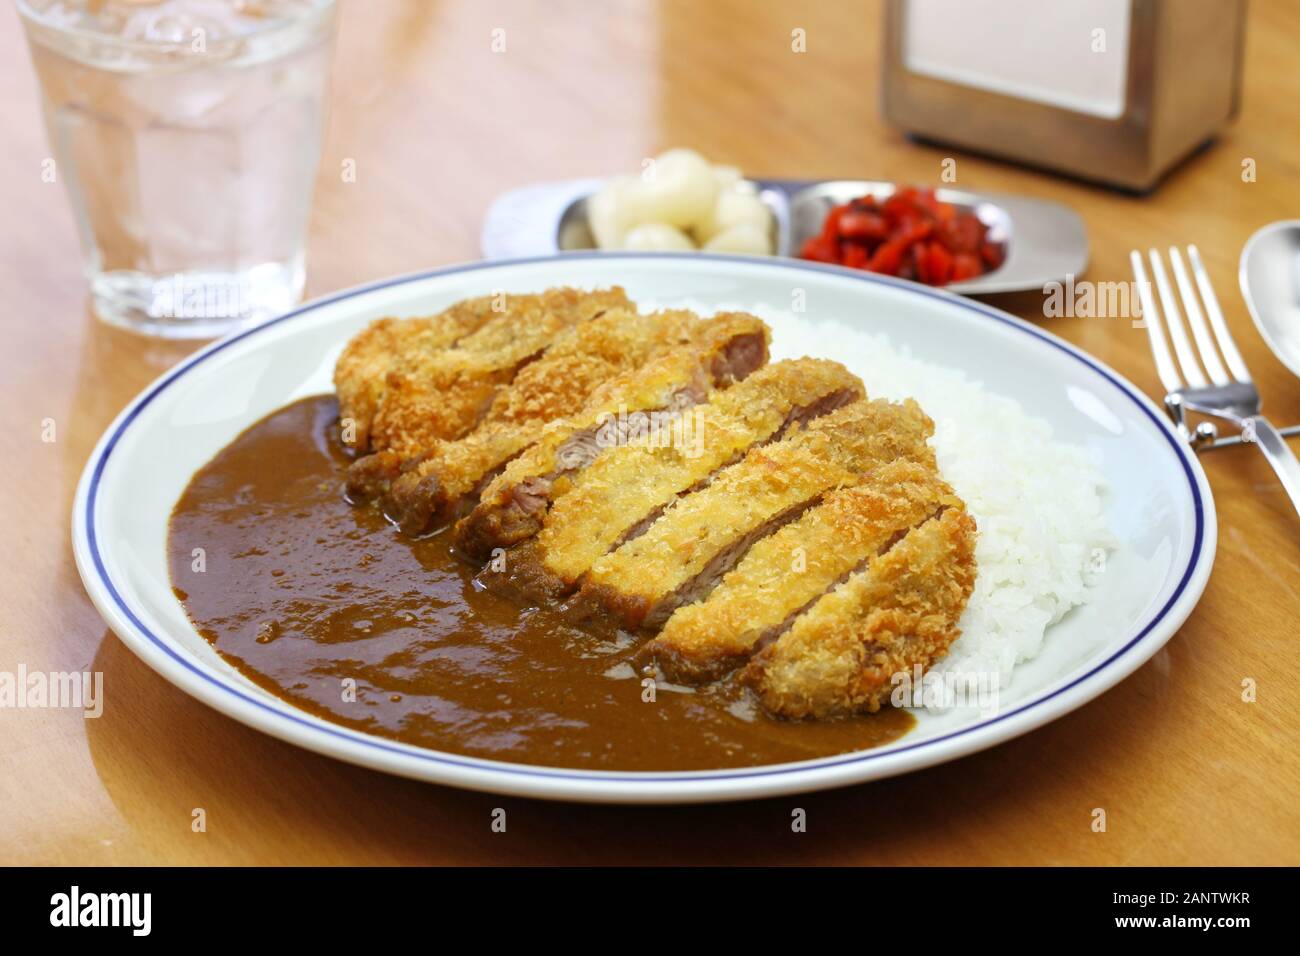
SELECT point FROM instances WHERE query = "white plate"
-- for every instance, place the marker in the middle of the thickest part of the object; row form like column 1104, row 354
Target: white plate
column 1161, row 506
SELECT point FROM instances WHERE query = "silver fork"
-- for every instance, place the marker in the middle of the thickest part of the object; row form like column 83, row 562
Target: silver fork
column 1225, row 393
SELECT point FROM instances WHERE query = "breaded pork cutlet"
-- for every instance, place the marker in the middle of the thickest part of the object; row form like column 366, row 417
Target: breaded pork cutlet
column 700, row 537
column 787, row 571
column 628, row 489
column 560, row 384
column 443, row 393
column 395, row 345
column 575, row 360
column 901, row 612
column 649, row 403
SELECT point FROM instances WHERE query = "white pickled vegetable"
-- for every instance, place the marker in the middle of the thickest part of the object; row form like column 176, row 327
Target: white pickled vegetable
column 734, row 208
column 679, row 201
column 727, row 176
column 607, row 214
column 677, row 188
column 657, row 237
column 744, row 238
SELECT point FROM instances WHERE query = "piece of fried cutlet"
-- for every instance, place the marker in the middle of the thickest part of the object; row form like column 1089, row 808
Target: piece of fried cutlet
column 448, row 479
column 625, row 491
column 701, row 536
column 443, row 373
column 841, row 655
column 572, row 364
column 786, row 572
column 392, row 345
column 649, row 404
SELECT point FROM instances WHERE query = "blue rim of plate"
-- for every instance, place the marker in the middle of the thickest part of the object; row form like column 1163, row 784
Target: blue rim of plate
column 699, row 776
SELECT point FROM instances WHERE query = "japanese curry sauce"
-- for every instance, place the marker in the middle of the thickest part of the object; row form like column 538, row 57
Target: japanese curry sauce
column 325, row 605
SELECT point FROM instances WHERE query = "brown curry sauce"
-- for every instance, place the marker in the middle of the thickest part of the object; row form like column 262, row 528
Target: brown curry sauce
column 302, row 591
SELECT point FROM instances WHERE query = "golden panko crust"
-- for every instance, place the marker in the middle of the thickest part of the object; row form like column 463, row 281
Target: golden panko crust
column 449, row 475
column 633, row 483
column 841, row 655
column 698, row 535
column 407, row 383
column 675, row 377
column 787, row 571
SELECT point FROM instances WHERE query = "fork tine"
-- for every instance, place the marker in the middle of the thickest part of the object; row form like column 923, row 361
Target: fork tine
column 1174, row 319
column 1196, row 319
column 1226, row 344
column 1165, row 367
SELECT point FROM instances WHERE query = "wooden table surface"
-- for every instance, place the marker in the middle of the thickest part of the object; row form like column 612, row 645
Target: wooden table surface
column 437, row 125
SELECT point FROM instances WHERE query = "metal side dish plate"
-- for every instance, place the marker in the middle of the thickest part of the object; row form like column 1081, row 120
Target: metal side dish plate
column 1044, row 241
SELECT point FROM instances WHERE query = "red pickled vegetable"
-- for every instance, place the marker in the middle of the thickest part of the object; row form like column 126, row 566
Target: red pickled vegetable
column 888, row 256
column 855, row 256
column 863, row 224
column 966, row 265
column 934, row 264
column 912, row 234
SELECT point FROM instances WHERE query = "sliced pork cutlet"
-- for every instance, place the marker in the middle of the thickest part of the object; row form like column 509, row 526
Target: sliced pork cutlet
column 681, row 557
column 395, row 345
column 784, row 573
column 447, row 481
column 644, row 403
column 443, row 394
column 627, row 490
column 561, row 377
column 901, row 612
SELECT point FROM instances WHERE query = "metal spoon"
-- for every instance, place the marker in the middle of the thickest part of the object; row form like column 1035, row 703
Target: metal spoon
column 1270, row 284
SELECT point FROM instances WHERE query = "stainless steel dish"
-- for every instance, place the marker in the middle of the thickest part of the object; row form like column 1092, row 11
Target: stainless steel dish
column 1045, row 241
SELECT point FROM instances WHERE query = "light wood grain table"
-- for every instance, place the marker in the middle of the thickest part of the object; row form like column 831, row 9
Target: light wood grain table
column 437, row 125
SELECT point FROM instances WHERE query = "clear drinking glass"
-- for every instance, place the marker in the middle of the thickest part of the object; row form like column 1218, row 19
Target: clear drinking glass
column 188, row 135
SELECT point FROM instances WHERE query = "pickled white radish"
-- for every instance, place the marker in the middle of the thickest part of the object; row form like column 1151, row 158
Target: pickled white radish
column 677, row 188
column 607, row 214
column 727, row 176
column 745, row 238
column 679, row 202
column 657, row 237
column 734, row 208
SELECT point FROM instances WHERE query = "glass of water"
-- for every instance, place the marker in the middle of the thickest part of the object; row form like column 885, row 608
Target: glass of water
column 188, row 135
